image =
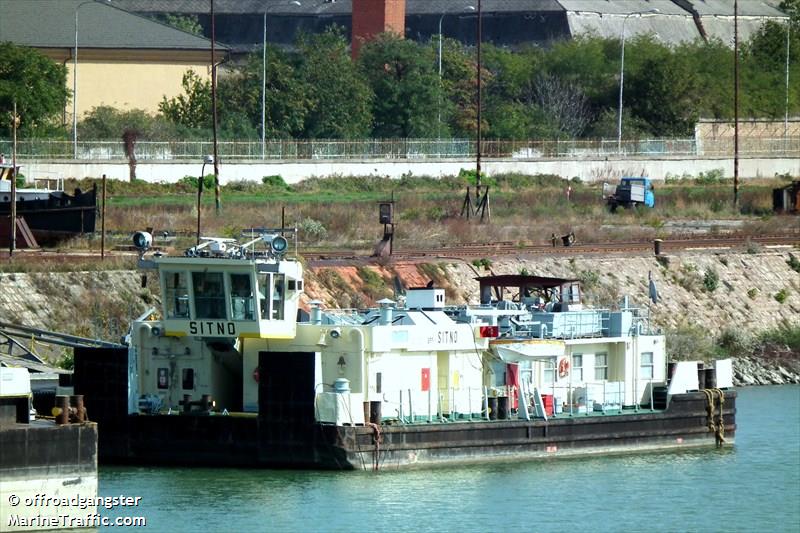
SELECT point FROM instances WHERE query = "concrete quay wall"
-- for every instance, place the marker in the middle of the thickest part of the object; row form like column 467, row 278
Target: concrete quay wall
column 294, row 171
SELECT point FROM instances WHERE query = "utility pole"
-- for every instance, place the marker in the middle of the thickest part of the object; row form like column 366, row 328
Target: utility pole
column 214, row 110
column 736, row 105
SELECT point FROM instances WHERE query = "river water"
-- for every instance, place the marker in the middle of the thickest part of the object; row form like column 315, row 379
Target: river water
column 753, row 487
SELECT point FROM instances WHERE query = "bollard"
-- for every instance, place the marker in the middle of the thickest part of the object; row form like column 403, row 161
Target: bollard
column 61, row 410
column 76, row 401
column 657, row 246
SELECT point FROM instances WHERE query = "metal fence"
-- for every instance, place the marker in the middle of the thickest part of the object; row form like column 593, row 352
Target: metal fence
column 370, row 149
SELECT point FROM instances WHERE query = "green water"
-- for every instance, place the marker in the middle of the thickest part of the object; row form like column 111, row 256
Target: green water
column 753, row 487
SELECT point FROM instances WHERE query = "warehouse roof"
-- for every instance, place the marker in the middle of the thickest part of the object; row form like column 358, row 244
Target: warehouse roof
column 50, row 24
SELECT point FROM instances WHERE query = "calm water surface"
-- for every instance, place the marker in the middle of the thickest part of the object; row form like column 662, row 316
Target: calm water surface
column 753, row 487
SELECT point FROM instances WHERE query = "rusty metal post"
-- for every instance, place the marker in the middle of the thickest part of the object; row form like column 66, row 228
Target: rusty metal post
column 61, row 410
column 76, row 401
column 103, row 223
column 657, row 246
column 13, row 240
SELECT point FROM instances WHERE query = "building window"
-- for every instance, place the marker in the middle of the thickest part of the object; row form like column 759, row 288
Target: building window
column 646, row 366
column 177, row 294
column 601, row 367
column 209, row 295
column 577, row 367
column 241, row 297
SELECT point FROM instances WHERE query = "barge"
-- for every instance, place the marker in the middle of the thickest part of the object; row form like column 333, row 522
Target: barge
column 51, row 213
column 234, row 371
column 48, row 469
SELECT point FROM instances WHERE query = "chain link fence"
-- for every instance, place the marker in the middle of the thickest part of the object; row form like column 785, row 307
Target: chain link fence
column 282, row 150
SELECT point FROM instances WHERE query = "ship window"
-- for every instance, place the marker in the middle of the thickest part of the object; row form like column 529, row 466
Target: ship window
column 277, row 296
column 577, row 367
column 188, row 378
column 263, row 294
column 242, row 305
column 163, row 378
column 291, row 285
column 549, row 372
column 209, row 294
column 646, row 371
column 177, row 297
column 601, row 367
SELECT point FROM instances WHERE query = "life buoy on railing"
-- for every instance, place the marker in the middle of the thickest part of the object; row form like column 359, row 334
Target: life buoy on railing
column 563, row 368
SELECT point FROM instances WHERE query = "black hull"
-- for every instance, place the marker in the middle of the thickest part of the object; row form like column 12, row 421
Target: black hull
column 291, row 442
column 59, row 217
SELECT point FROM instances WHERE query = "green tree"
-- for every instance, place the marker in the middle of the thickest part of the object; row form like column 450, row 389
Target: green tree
column 36, row 83
column 193, row 108
column 403, row 77
column 106, row 122
column 662, row 89
column 287, row 101
column 339, row 98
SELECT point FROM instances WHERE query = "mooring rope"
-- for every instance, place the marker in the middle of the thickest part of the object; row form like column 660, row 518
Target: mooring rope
column 716, row 424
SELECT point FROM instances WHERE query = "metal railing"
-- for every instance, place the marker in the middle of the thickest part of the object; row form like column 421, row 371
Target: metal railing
column 410, row 149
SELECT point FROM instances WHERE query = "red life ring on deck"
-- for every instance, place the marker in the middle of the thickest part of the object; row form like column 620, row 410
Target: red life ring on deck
column 563, row 368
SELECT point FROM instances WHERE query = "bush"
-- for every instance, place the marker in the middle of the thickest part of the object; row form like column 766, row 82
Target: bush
column 192, row 181
column 781, row 296
column 793, row 263
column 752, row 293
column 312, row 229
column 711, row 280
column 484, row 263
column 275, row 182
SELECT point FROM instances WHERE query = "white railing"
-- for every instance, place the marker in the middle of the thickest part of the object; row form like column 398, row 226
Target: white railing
column 391, row 149
column 409, row 406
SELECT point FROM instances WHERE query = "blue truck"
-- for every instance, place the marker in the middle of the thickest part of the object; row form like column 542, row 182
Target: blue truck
column 630, row 192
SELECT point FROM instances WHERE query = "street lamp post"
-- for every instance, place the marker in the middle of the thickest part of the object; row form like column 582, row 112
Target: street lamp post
column 786, row 116
column 622, row 74
column 75, row 82
column 264, row 82
column 439, row 114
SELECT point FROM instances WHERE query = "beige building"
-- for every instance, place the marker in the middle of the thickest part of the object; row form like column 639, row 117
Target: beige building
column 123, row 60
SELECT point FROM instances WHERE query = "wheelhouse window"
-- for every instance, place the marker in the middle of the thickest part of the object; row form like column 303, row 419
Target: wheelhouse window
column 264, row 283
column 278, row 293
column 646, row 366
column 601, row 367
column 209, row 294
column 177, row 294
column 242, row 301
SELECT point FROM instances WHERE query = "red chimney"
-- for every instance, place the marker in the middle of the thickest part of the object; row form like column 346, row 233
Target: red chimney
column 371, row 17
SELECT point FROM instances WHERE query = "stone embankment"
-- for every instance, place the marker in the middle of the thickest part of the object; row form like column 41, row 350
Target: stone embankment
column 701, row 295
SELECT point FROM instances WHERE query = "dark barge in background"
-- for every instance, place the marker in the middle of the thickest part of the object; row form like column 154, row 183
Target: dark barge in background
column 48, row 210
column 235, row 373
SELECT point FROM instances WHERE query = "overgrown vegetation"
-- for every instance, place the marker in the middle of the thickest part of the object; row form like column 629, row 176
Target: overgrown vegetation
column 692, row 342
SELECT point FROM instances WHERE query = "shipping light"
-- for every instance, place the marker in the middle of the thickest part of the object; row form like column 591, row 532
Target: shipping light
column 279, row 244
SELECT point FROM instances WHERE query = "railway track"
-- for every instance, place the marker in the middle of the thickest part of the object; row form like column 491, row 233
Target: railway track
column 479, row 250
column 473, row 250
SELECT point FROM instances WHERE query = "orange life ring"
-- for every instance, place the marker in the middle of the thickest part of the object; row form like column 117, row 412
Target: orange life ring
column 563, row 368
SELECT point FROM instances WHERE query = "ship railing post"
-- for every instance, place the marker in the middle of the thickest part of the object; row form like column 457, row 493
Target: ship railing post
column 604, row 397
column 410, row 409
column 469, row 399
column 486, row 402
column 400, row 412
column 652, row 407
column 440, row 399
column 453, row 410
